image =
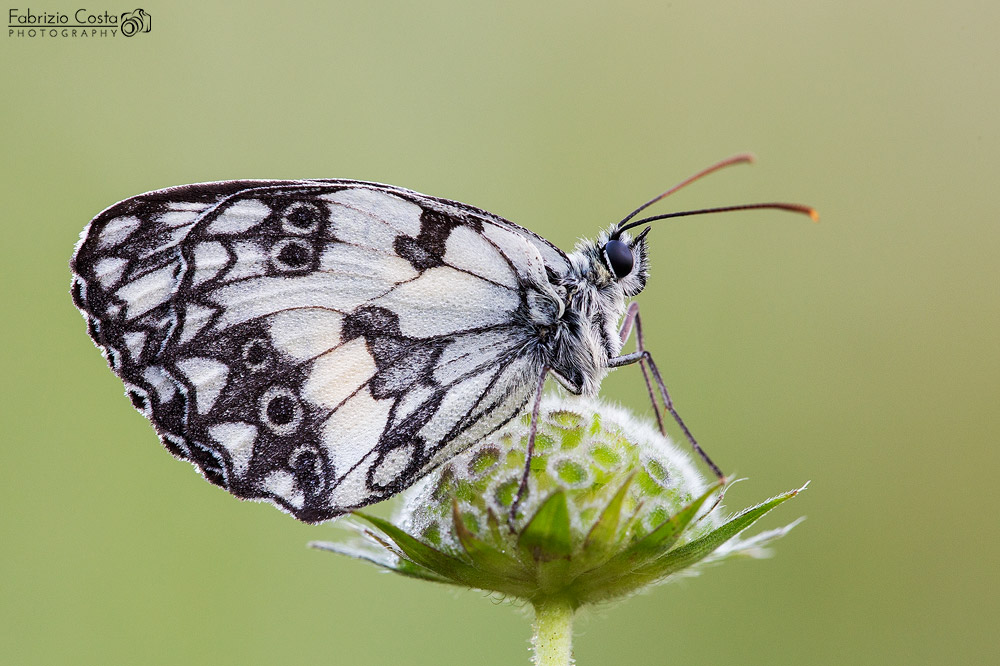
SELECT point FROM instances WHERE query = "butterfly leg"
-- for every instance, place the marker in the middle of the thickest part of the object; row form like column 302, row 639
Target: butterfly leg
column 643, row 358
column 632, row 318
column 532, row 431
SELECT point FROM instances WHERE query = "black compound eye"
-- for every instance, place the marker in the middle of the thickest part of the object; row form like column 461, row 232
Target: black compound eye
column 619, row 255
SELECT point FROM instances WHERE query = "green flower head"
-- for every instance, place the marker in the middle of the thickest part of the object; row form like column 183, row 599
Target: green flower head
column 611, row 507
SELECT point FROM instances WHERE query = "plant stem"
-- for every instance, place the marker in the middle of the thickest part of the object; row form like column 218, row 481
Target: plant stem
column 553, row 633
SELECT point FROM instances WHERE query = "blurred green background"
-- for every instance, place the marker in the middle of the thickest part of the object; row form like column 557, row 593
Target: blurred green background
column 861, row 353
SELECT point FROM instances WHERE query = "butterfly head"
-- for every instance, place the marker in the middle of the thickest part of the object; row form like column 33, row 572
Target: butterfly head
column 605, row 273
column 625, row 259
column 612, row 268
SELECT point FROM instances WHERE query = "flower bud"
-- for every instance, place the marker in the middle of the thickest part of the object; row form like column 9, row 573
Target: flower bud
column 611, row 507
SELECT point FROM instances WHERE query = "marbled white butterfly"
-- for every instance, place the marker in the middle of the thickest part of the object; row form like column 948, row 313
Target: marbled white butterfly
column 322, row 344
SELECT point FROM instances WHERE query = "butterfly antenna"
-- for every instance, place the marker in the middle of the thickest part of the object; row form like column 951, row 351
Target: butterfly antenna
column 743, row 158
column 794, row 208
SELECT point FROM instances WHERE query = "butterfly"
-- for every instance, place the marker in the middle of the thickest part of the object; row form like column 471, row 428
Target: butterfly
column 322, row 344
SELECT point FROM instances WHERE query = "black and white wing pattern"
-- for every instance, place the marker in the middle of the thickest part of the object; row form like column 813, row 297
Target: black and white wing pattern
column 316, row 344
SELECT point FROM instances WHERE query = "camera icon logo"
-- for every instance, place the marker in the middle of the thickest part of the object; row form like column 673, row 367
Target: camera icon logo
column 134, row 22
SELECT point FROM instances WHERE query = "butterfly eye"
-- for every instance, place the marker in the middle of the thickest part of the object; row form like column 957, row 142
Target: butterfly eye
column 619, row 256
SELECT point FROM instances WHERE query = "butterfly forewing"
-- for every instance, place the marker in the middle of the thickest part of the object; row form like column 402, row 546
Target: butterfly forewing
column 319, row 344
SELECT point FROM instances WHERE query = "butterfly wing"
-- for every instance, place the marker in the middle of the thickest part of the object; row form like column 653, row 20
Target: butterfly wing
column 316, row 344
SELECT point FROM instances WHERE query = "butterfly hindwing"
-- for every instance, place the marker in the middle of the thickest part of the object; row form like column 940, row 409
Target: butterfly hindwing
column 319, row 344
